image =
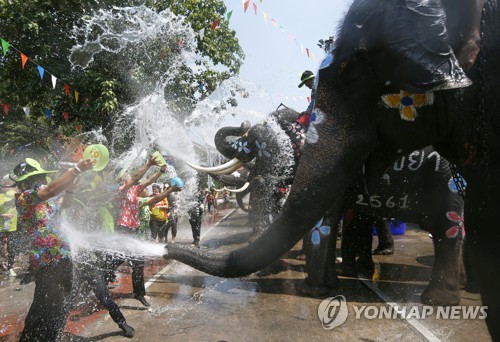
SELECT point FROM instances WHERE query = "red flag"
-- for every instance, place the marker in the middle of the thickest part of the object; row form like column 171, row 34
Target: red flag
column 6, row 108
column 66, row 89
column 78, row 128
column 308, row 99
column 307, row 52
column 24, row 59
column 214, row 24
column 245, row 6
column 254, row 7
column 180, row 43
column 66, row 116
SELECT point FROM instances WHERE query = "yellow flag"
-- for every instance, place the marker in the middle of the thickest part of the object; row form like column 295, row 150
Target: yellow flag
column 76, row 96
column 265, row 16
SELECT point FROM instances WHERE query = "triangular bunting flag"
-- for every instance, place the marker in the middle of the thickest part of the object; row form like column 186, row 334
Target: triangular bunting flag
column 214, row 24
column 307, row 52
column 78, row 128
column 48, row 113
column 308, row 99
column 26, row 111
column 6, row 108
column 40, row 71
column 229, row 14
column 254, row 7
column 54, row 80
column 265, row 16
column 274, row 23
column 245, row 5
column 66, row 89
column 5, row 46
column 66, row 116
column 24, row 59
column 202, row 33
column 180, row 44
column 77, row 94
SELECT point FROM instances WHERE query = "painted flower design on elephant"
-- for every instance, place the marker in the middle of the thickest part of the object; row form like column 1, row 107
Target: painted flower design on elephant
column 453, row 231
column 319, row 230
column 241, row 146
column 407, row 103
column 262, row 149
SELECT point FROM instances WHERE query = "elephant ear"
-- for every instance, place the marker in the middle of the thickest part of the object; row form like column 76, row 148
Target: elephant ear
column 405, row 43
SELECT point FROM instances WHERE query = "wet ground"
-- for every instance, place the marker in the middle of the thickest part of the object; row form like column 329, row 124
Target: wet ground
column 188, row 305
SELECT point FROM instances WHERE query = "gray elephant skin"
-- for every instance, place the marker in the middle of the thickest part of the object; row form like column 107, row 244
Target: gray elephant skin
column 356, row 113
column 417, row 188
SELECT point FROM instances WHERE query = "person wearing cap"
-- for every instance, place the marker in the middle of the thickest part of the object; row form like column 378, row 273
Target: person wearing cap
column 307, row 79
column 38, row 208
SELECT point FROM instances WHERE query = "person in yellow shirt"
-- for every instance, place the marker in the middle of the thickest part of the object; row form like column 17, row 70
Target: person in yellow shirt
column 159, row 217
column 8, row 225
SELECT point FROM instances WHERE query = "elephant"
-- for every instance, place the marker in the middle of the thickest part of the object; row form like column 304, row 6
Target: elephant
column 390, row 85
column 267, row 151
column 417, row 188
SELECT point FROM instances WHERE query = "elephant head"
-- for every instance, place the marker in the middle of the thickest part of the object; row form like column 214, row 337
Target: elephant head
column 379, row 89
column 268, row 147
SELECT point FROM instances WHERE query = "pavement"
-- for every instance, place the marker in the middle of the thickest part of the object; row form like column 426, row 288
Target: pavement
column 188, row 305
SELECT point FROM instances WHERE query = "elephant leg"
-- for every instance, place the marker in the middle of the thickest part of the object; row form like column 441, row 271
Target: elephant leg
column 348, row 246
column 385, row 240
column 471, row 281
column 364, row 239
column 483, row 236
column 320, row 250
column 444, row 285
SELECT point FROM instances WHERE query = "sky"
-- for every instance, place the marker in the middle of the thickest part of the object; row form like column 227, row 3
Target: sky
column 274, row 56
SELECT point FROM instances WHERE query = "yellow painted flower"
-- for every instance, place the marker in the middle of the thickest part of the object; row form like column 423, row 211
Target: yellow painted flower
column 407, row 103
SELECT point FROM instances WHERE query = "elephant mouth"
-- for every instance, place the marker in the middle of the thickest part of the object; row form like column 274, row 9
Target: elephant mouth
column 224, row 169
column 242, row 189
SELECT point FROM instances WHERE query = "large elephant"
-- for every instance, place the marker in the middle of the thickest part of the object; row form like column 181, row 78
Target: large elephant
column 363, row 92
column 417, row 188
column 267, row 151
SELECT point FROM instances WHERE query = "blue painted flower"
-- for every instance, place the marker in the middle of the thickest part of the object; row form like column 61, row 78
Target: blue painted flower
column 319, row 230
column 262, row 149
column 242, row 146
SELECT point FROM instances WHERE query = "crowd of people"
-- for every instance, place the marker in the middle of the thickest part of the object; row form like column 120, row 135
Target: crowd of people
column 31, row 222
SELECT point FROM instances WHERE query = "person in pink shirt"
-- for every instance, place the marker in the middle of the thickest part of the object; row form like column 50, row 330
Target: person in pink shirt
column 128, row 220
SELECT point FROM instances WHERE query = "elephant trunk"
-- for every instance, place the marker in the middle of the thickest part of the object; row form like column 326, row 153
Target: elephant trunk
column 327, row 168
column 239, row 200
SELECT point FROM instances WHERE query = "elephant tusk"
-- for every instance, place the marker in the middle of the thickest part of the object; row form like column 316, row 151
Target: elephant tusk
column 243, row 188
column 231, row 165
column 228, row 170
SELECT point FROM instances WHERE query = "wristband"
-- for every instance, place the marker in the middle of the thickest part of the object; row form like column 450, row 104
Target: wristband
column 77, row 168
column 73, row 172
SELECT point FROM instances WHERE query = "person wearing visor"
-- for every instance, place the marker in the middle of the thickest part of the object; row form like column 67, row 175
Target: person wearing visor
column 38, row 206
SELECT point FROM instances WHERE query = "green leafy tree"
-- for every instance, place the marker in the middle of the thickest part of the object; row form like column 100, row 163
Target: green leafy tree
column 44, row 31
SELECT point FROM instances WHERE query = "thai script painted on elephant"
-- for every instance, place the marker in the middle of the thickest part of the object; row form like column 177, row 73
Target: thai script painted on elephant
column 415, row 160
column 375, row 201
